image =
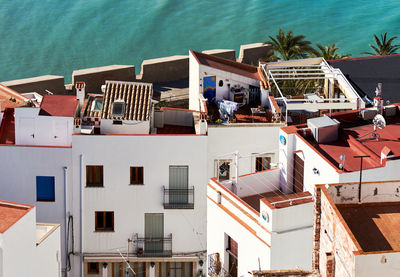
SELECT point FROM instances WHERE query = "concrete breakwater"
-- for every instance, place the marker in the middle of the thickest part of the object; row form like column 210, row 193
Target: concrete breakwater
column 154, row 71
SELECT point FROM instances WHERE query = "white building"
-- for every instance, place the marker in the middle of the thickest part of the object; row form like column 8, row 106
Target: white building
column 324, row 150
column 328, row 149
column 141, row 176
column 94, row 154
column 27, row 248
column 254, row 225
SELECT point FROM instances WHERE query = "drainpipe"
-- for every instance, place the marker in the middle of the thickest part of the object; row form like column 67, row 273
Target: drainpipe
column 80, row 215
column 66, row 216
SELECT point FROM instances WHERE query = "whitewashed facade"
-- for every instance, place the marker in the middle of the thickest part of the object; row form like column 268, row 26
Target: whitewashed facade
column 39, row 247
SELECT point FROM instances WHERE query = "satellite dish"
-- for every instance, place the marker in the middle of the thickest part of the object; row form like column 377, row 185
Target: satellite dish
column 379, row 121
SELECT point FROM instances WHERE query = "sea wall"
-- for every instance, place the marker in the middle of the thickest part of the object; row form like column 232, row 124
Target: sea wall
column 95, row 77
column 165, row 69
column 157, row 70
column 40, row 84
column 251, row 53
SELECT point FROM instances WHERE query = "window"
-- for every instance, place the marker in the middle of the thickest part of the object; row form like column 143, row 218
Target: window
column 118, row 108
column 263, row 163
column 94, row 175
column 222, row 169
column 136, row 175
column 104, row 221
column 93, row 268
column 45, row 188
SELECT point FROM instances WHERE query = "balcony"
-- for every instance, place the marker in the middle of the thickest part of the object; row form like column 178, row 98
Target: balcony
column 178, row 198
column 153, row 247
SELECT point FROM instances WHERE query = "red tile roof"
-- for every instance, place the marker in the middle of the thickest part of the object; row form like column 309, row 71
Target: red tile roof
column 10, row 213
column 58, row 105
column 350, row 144
column 227, row 65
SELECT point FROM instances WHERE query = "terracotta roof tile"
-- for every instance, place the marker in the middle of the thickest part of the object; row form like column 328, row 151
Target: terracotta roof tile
column 136, row 96
column 10, row 213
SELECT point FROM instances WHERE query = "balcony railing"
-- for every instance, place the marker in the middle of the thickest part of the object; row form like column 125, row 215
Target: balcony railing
column 178, row 198
column 153, row 247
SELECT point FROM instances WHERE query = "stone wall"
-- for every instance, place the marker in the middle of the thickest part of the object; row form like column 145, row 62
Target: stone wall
column 251, row 53
column 336, row 247
column 96, row 77
column 40, row 84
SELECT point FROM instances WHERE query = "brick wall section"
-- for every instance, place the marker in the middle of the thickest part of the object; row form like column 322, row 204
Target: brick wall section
column 317, row 228
column 334, row 238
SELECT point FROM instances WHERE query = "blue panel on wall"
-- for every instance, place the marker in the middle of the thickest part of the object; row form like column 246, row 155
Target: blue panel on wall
column 45, row 190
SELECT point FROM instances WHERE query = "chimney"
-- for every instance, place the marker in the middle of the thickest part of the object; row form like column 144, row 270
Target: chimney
column 80, row 92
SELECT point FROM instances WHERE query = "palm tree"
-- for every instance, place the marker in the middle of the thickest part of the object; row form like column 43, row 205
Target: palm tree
column 329, row 52
column 289, row 46
column 383, row 46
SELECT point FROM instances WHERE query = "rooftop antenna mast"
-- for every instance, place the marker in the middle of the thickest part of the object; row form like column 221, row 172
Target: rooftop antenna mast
column 379, row 123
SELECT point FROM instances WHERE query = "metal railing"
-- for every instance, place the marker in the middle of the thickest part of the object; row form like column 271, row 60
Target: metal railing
column 153, row 247
column 215, row 266
column 178, row 198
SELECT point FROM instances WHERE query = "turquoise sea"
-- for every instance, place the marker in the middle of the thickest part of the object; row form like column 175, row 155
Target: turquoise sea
column 58, row 36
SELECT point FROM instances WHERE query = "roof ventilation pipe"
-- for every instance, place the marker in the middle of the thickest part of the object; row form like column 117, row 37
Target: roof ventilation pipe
column 378, row 101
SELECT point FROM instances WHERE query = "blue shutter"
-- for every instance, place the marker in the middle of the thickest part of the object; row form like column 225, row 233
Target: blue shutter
column 45, row 188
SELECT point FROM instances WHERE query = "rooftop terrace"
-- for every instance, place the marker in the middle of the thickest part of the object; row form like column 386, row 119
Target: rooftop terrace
column 376, row 226
column 353, row 140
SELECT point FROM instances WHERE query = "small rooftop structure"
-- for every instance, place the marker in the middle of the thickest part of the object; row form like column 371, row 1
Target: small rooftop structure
column 311, row 85
column 127, row 101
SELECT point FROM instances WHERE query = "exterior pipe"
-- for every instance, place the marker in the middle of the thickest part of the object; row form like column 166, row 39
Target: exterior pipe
column 66, row 215
column 80, row 215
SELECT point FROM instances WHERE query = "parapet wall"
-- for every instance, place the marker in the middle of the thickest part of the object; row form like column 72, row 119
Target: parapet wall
column 158, row 70
column 165, row 69
column 40, row 84
column 96, row 77
column 251, row 53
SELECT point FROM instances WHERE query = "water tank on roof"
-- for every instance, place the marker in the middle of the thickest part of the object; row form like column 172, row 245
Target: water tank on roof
column 324, row 129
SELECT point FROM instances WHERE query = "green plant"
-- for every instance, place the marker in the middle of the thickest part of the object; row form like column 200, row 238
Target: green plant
column 384, row 46
column 289, row 46
column 329, row 52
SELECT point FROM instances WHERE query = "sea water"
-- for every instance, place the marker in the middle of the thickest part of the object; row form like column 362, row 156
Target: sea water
column 58, row 36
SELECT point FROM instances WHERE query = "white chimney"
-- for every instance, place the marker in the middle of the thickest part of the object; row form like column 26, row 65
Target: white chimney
column 80, row 92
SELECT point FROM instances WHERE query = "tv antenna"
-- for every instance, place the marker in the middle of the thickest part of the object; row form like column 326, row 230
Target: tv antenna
column 379, row 123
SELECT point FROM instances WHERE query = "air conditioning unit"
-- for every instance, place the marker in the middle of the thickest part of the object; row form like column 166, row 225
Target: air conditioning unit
column 324, row 129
